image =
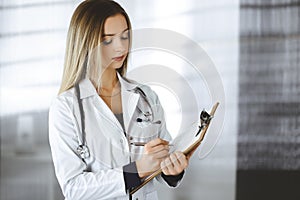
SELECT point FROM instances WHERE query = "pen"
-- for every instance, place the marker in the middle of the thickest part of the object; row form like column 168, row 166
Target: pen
column 143, row 144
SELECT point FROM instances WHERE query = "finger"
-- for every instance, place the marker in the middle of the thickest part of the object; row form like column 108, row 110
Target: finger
column 157, row 148
column 177, row 166
column 170, row 166
column 156, row 141
column 164, row 168
column 183, row 162
column 161, row 154
column 174, row 159
column 179, row 155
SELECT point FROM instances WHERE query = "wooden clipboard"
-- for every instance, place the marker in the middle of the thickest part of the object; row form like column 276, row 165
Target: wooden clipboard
column 192, row 147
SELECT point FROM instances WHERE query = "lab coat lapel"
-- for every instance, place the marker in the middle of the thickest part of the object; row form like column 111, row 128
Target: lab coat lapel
column 129, row 103
column 130, row 100
column 86, row 90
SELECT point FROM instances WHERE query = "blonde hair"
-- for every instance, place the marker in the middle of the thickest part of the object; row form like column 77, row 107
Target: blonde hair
column 84, row 35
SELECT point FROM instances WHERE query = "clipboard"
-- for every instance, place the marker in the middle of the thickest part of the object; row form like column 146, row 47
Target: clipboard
column 202, row 131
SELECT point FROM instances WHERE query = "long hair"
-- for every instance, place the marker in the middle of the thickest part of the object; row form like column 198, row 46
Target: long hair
column 84, row 36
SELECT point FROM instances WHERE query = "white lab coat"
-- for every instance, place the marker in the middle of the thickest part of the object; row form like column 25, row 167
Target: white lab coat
column 100, row 176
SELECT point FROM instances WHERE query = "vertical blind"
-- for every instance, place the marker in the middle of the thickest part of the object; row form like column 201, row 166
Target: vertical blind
column 269, row 81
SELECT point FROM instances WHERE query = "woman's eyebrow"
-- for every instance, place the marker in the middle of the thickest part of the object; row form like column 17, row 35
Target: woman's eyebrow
column 115, row 33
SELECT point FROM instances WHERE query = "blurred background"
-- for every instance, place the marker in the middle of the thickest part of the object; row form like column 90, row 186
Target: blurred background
column 255, row 46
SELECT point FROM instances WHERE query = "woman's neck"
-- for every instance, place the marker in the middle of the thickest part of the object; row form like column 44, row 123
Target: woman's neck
column 109, row 83
column 109, row 79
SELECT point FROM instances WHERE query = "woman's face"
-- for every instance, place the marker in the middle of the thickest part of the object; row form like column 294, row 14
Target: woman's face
column 115, row 42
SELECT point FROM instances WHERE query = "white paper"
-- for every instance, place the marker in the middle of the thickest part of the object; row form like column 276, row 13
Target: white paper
column 185, row 139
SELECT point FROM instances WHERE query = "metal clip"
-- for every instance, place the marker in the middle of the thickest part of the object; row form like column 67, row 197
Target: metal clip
column 204, row 120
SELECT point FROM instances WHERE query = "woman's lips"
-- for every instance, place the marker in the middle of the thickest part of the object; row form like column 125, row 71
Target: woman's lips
column 118, row 59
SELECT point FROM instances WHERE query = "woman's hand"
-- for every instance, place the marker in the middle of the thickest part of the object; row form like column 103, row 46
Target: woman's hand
column 176, row 162
column 154, row 152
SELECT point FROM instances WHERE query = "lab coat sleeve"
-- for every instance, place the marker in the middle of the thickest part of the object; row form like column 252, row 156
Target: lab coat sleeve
column 71, row 171
column 171, row 181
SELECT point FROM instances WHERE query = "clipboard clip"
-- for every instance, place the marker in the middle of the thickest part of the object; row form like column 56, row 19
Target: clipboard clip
column 205, row 118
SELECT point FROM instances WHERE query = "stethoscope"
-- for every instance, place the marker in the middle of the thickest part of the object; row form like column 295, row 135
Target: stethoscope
column 147, row 116
column 82, row 149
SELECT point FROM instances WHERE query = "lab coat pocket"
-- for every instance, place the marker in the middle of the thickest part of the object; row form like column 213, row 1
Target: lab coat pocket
column 137, row 143
column 144, row 129
column 141, row 135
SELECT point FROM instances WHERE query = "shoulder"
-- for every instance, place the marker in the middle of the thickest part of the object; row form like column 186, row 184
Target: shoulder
column 63, row 101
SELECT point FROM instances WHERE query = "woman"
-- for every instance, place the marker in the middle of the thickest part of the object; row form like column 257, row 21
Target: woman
column 107, row 133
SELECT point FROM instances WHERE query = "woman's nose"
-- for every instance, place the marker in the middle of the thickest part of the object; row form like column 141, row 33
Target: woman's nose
column 119, row 45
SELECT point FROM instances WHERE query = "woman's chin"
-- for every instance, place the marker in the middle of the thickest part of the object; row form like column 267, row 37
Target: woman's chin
column 117, row 65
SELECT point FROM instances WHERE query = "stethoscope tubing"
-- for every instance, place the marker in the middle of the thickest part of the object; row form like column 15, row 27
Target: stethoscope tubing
column 82, row 149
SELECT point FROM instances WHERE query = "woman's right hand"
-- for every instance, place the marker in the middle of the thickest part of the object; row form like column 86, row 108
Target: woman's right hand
column 154, row 152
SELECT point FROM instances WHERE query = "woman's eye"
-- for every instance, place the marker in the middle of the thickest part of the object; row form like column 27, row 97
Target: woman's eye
column 107, row 41
column 125, row 36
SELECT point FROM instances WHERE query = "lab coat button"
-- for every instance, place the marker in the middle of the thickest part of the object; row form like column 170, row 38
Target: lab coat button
column 130, row 138
column 121, row 140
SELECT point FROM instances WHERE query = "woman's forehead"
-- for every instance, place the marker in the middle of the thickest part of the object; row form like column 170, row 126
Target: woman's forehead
column 115, row 25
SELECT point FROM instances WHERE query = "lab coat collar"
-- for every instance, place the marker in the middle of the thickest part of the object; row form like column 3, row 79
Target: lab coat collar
column 126, row 84
column 87, row 89
column 130, row 97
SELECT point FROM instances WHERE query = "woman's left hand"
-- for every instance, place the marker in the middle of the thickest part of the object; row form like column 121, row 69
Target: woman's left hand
column 174, row 164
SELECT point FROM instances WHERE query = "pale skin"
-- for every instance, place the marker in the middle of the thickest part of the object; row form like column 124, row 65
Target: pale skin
column 115, row 46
